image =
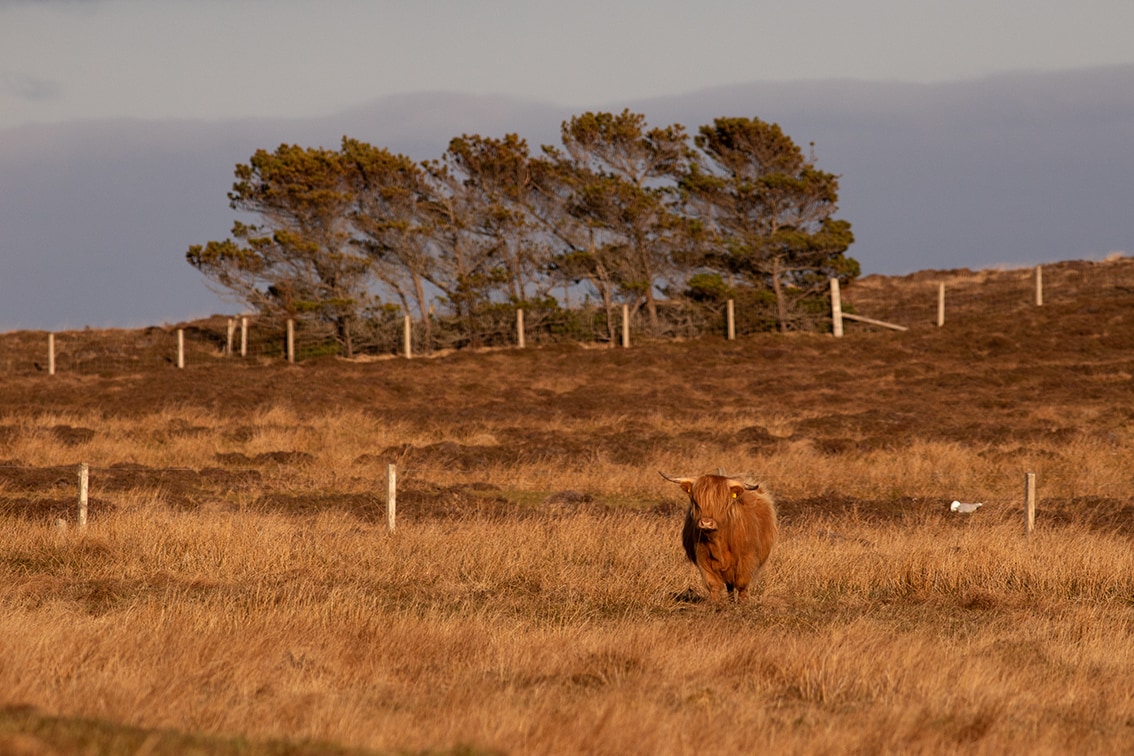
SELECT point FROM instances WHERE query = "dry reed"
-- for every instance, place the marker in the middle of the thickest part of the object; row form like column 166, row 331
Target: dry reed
column 236, row 579
column 573, row 632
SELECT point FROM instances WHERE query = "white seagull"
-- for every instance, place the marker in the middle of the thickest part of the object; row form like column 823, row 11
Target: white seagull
column 963, row 508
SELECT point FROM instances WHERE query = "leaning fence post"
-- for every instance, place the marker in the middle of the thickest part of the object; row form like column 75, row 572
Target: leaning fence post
column 1039, row 285
column 84, row 474
column 520, row 328
column 391, row 496
column 181, row 347
column 1029, row 502
column 51, row 354
column 730, row 312
column 836, row 309
column 940, row 304
column 625, row 326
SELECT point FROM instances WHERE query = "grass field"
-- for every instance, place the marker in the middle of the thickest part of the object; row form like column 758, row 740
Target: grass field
column 236, row 590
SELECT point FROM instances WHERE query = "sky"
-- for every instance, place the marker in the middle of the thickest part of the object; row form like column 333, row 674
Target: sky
column 966, row 133
column 64, row 60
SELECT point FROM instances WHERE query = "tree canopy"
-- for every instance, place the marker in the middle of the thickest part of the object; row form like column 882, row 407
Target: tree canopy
column 765, row 212
column 634, row 214
column 299, row 260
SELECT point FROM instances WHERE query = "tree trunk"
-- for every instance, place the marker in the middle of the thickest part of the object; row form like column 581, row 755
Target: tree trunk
column 344, row 336
column 778, row 290
column 516, row 273
column 608, row 303
column 647, row 275
column 419, row 292
column 652, row 307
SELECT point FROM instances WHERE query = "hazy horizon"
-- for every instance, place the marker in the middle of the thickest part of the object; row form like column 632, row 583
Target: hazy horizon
column 64, row 60
column 966, row 135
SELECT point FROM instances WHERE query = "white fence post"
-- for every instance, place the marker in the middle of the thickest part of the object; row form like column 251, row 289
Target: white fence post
column 625, row 326
column 228, row 341
column 1039, row 285
column 243, row 337
column 836, row 309
column 181, row 347
column 730, row 312
column 407, row 337
column 1029, row 502
column 520, row 328
column 391, row 497
column 84, row 475
column 940, row 304
column 51, row 354
column 290, row 340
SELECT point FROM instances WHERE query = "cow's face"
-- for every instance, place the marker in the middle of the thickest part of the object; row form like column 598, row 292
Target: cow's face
column 711, row 499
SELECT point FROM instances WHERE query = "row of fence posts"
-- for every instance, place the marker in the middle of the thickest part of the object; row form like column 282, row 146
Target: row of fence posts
column 392, row 499
column 837, row 318
column 84, row 502
column 407, row 337
column 407, row 329
column 181, row 343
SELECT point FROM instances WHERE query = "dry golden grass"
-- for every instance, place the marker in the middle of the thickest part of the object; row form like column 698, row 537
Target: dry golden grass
column 236, row 591
column 191, row 438
column 537, row 636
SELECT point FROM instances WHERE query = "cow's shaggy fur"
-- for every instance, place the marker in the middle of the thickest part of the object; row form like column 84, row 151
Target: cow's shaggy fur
column 728, row 532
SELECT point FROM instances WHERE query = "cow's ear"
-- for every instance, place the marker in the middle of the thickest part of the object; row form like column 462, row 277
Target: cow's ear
column 685, row 483
column 736, row 491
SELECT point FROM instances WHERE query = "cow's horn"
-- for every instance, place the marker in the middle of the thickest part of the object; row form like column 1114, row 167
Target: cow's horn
column 743, row 480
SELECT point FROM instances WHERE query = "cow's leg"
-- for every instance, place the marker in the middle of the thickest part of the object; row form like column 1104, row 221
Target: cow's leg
column 715, row 584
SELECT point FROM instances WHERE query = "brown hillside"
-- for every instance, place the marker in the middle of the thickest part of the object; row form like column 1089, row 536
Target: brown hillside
column 237, row 591
column 1004, row 378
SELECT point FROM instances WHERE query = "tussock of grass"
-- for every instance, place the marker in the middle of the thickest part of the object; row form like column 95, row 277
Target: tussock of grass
column 236, row 586
column 571, row 633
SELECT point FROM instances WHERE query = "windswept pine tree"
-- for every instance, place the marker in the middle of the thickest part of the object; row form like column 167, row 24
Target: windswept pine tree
column 298, row 259
column 766, row 212
column 627, row 210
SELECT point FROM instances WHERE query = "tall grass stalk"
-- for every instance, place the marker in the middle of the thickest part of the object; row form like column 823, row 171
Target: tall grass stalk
column 573, row 633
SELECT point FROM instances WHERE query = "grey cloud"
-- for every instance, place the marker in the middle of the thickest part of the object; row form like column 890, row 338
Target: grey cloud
column 29, row 88
column 17, row 3
column 1021, row 169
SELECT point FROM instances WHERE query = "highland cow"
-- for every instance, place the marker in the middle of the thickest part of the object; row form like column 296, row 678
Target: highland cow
column 729, row 531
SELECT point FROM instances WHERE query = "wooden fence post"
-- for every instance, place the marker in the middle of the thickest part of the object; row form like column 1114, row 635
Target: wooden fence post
column 1029, row 502
column 520, row 328
column 181, row 347
column 84, row 475
column 391, row 497
column 228, row 341
column 625, row 326
column 730, row 313
column 290, row 340
column 940, row 304
column 407, row 337
column 243, row 337
column 1039, row 285
column 836, row 309
column 51, row 354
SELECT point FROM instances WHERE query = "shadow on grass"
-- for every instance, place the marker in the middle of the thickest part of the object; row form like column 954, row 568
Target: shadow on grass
column 25, row 730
